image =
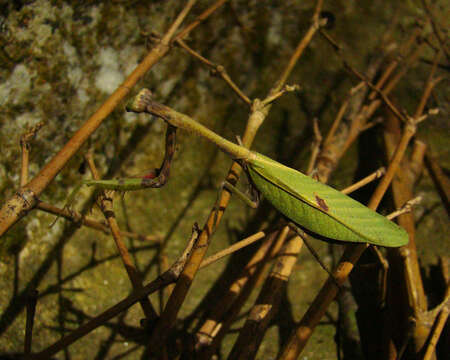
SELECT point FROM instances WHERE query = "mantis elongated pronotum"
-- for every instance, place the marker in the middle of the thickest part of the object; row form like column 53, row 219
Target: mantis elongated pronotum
column 315, row 206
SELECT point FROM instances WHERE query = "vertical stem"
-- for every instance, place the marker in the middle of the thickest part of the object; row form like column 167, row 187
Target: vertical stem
column 375, row 200
column 24, row 165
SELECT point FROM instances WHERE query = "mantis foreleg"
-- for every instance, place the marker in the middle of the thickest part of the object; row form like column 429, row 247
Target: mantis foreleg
column 154, row 179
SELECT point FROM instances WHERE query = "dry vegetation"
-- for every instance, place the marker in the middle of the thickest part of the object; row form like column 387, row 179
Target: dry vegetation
column 132, row 281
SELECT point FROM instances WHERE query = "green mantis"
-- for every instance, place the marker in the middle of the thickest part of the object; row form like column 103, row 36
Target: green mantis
column 314, row 206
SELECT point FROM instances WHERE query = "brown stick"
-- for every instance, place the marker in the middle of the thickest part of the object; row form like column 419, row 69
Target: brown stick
column 233, row 248
column 315, row 146
column 242, row 294
column 402, row 259
column 437, row 330
column 368, row 179
column 218, row 69
column 93, row 224
column 25, row 146
column 199, row 19
column 266, row 306
column 436, row 30
column 209, row 329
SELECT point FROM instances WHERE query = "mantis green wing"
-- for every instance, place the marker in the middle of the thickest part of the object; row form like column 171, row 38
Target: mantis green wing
column 320, row 208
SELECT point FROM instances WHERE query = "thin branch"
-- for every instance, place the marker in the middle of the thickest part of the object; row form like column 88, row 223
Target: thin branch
column 337, row 120
column 167, row 38
column 216, row 69
column 315, row 26
column 436, row 332
column 25, row 145
column 405, row 208
column 106, row 205
column 429, row 86
column 436, row 30
column 371, row 124
column 383, row 96
column 199, row 19
column 363, row 182
column 233, row 248
column 76, row 217
column 272, row 97
column 315, row 146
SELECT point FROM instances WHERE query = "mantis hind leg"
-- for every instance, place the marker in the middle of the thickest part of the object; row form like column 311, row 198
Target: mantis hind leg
column 253, row 203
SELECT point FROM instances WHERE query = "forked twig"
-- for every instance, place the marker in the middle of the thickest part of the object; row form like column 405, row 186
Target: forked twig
column 25, row 146
column 216, row 69
column 76, row 217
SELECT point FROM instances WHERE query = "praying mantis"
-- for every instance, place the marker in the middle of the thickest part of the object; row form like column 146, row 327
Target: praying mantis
column 314, row 206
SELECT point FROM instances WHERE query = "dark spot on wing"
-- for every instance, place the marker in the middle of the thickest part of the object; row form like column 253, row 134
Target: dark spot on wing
column 322, row 204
